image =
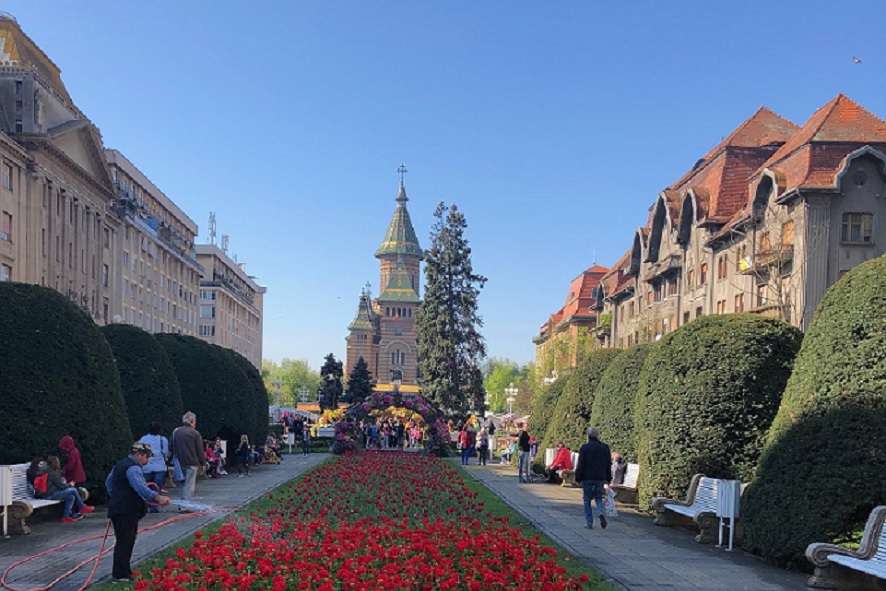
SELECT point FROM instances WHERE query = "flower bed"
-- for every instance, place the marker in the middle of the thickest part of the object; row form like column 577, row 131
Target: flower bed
column 367, row 522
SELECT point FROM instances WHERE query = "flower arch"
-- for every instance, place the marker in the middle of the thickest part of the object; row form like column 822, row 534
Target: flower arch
column 436, row 436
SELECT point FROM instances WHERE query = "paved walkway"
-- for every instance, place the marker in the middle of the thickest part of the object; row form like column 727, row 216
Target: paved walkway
column 631, row 552
column 228, row 492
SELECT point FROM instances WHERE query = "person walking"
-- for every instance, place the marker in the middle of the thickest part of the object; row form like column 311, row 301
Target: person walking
column 305, row 441
column 523, row 448
column 155, row 469
column 188, row 451
column 73, row 472
column 482, row 446
column 242, row 454
column 128, row 491
column 594, row 472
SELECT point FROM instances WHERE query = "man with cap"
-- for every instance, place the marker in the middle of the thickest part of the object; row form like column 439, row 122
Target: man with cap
column 128, row 494
column 594, row 471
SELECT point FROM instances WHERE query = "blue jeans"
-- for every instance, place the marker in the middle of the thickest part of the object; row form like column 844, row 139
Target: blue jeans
column 71, row 497
column 158, row 478
column 592, row 489
column 465, row 456
column 523, row 467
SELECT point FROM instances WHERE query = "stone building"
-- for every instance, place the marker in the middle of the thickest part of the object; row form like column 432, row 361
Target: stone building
column 383, row 329
column 231, row 304
column 568, row 331
column 763, row 223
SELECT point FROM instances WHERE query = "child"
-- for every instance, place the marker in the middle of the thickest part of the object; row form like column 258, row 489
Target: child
column 243, row 453
column 73, row 472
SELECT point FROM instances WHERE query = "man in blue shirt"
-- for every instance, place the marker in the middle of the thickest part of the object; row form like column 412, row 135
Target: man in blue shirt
column 128, row 494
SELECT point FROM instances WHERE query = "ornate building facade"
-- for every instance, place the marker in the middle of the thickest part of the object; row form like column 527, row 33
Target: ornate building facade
column 383, row 329
column 763, row 223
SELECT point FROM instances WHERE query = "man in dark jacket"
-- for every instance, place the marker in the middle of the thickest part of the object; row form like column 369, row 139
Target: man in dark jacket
column 128, row 492
column 594, row 471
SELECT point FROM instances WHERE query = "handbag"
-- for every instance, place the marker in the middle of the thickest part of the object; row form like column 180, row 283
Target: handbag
column 609, row 509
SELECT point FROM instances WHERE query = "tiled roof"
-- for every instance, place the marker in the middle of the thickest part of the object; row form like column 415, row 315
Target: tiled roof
column 399, row 287
column 363, row 318
column 400, row 237
column 580, row 297
column 616, row 279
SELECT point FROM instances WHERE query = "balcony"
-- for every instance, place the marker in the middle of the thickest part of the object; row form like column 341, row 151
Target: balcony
column 670, row 265
column 765, row 259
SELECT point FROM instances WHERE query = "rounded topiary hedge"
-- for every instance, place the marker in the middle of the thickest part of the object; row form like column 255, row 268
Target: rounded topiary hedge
column 542, row 408
column 613, row 411
column 258, row 399
column 823, row 468
column 57, row 377
column 572, row 415
column 706, row 398
column 150, row 386
column 212, row 385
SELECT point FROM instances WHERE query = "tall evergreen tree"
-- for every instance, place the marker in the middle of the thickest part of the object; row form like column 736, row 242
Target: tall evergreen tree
column 450, row 346
column 330, row 382
column 359, row 382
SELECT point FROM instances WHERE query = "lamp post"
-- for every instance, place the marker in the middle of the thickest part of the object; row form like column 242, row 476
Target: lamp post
column 511, row 391
column 303, row 392
column 396, row 379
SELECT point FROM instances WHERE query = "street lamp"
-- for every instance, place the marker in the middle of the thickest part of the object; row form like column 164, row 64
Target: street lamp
column 277, row 385
column 511, row 391
column 396, row 379
column 303, row 392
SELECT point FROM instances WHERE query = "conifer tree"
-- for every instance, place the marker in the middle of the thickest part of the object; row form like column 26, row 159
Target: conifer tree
column 330, row 382
column 359, row 382
column 450, row 346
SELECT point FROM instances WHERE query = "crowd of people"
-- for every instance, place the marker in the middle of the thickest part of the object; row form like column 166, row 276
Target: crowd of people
column 390, row 433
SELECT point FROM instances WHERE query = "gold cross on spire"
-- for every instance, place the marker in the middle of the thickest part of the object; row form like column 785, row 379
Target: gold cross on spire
column 402, row 170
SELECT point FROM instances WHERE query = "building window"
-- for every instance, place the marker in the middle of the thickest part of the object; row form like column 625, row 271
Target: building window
column 207, row 311
column 703, row 274
column 698, row 312
column 857, row 228
column 6, row 227
column 5, row 272
column 721, row 267
column 739, row 303
column 7, row 176
column 105, row 275
column 207, row 330
column 762, row 300
column 765, row 242
column 690, row 280
column 721, row 306
column 787, row 234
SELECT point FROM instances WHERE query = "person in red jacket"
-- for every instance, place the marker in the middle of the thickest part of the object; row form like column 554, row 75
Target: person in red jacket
column 73, row 471
column 562, row 461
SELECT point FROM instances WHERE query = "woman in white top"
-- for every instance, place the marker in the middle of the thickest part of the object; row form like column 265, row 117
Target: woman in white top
column 155, row 469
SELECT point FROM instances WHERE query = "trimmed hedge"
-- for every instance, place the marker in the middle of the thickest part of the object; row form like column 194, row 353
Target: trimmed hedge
column 572, row 415
column 150, row 386
column 212, row 386
column 706, row 398
column 57, row 377
column 613, row 411
column 542, row 408
column 258, row 399
column 823, row 468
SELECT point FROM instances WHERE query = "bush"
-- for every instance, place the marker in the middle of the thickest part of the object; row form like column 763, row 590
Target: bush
column 542, row 408
column 147, row 377
column 212, row 386
column 823, row 468
column 613, row 411
column 58, row 378
column 258, row 399
column 707, row 395
column 572, row 415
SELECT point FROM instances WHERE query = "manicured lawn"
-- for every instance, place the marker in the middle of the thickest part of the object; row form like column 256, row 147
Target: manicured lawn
column 371, row 521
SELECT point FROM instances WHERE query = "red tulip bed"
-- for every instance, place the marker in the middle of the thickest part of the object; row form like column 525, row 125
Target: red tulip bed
column 367, row 521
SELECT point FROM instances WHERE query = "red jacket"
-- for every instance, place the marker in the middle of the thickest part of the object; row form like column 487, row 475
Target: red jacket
column 73, row 470
column 563, row 460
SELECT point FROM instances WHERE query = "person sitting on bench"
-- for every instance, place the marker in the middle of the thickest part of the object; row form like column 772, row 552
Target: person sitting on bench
column 562, row 461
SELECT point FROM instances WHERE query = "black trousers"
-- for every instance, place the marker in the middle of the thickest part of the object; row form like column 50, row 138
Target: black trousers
column 125, row 530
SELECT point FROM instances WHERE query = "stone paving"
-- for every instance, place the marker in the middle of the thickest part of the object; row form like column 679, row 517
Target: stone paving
column 631, row 553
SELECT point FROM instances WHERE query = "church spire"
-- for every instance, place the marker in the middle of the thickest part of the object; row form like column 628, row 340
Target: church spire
column 400, row 238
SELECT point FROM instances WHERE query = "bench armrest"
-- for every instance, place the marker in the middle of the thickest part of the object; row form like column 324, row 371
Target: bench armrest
column 658, row 503
column 818, row 552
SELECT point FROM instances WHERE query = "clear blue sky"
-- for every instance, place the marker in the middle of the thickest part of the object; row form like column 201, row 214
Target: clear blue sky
column 552, row 126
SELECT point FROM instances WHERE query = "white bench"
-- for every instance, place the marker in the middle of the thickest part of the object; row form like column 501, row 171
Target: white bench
column 626, row 493
column 840, row 568
column 23, row 502
column 699, row 507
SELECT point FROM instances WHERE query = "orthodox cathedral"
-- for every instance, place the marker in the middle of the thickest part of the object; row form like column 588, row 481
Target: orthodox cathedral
column 383, row 329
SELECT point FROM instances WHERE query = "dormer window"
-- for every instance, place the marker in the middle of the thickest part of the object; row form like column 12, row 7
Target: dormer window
column 857, row 228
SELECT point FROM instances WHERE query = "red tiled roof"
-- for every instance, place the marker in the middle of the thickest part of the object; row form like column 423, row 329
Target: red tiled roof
column 580, row 297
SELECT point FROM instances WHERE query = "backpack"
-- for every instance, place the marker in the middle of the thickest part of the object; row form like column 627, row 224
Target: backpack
column 40, row 484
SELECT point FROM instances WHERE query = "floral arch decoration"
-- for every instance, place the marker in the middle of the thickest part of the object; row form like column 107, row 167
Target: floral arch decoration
column 436, row 435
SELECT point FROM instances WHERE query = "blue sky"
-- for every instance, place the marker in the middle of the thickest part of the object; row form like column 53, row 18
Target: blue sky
column 552, row 126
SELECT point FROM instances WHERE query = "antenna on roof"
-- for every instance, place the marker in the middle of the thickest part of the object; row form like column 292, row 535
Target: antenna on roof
column 224, row 244
column 594, row 258
column 211, row 227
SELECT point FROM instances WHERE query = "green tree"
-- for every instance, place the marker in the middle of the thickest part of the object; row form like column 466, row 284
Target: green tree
column 331, row 382
column 148, row 379
column 542, row 410
column 450, row 346
column 500, row 374
column 58, row 377
column 823, row 467
column 258, row 400
column 614, row 399
column 359, row 382
column 295, row 374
